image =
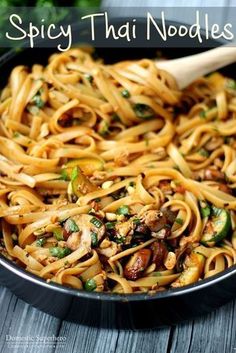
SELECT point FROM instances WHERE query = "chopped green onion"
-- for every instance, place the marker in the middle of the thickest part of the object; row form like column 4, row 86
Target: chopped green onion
column 205, row 211
column 123, row 210
column 202, row 114
column 64, row 175
column 94, row 239
column 59, row 252
column 203, row 152
column 115, row 118
column 40, row 241
column 231, row 84
column 89, row 77
column 119, row 240
column 125, row 93
column 73, row 228
column 136, row 221
column 90, row 285
column 37, row 100
column 179, row 221
column 16, row 134
column 110, row 225
column 103, row 128
column 96, row 222
column 74, row 173
column 58, row 234
column 143, row 111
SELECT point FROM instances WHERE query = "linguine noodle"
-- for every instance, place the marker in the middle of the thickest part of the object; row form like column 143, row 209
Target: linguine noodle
column 111, row 179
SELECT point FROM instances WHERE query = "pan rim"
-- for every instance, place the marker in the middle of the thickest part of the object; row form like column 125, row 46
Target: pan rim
column 106, row 296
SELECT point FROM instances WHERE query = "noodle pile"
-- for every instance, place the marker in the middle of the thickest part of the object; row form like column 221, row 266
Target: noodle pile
column 111, row 179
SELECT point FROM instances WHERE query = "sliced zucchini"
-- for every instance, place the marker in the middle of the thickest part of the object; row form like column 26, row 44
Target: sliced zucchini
column 217, row 227
column 80, row 184
column 87, row 165
column 194, row 265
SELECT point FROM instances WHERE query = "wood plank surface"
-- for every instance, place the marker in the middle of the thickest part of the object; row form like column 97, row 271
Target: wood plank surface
column 18, row 319
column 213, row 333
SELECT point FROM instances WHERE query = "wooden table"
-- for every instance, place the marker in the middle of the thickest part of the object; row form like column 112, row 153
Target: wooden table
column 214, row 333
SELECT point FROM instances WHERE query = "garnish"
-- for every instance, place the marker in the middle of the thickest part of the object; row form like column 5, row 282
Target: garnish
column 73, row 228
column 115, row 118
column 119, row 240
column 231, row 84
column 64, row 175
column 125, row 93
column 37, row 100
column 136, row 221
column 96, row 222
column 16, row 134
column 59, row 252
column 103, row 128
column 179, row 221
column 202, row 114
column 89, row 77
column 58, row 234
column 143, row 111
column 90, row 285
column 110, row 225
column 123, row 210
column 94, row 239
column 205, row 211
column 40, row 242
column 203, row 152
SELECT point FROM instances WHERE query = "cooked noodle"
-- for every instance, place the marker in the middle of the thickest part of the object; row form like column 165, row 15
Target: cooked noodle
column 111, row 179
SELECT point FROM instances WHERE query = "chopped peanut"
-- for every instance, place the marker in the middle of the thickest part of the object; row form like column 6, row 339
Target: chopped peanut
column 107, row 184
column 170, row 260
column 111, row 216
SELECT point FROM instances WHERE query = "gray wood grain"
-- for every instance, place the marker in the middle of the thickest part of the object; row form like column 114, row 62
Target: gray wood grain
column 21, row 320
column 213, row 333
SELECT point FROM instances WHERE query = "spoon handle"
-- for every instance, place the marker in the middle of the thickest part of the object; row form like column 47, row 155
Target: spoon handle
column 187, row 69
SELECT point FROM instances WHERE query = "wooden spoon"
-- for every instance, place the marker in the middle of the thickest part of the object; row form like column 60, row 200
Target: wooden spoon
column 187, row 69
